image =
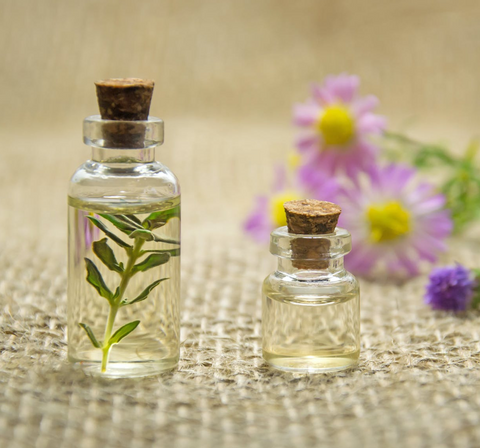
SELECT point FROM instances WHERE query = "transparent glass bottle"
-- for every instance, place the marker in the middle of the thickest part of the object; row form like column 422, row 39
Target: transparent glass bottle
column 124, row 253
column 311, row 317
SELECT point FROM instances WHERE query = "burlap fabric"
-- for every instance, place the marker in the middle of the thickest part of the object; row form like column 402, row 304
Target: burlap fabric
column 416, row 384
column 227, row 73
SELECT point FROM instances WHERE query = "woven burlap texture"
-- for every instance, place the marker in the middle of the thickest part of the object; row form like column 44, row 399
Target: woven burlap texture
column 227, row 74
column 416, row 384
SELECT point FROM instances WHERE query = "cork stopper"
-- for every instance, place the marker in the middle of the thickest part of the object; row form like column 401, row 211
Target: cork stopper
column 124, row 99
column 311, row 217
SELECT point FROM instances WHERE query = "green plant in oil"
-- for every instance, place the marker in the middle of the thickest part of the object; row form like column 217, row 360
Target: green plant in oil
column 139, row 232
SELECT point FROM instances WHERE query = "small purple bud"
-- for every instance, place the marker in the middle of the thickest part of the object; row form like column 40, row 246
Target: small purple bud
column 450, row 288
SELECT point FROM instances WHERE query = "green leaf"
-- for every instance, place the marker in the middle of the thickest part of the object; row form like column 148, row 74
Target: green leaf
column 144, row 294
column 472, row 150
column 165, row 240
column 143, row 235
column 122, row 223
column 90, row 334
column 122, row 332
column 172, row 252
column 149, row 236
column 103, row 251
column 96, row 280
column 134, row 219
column 475, row 303
column 428, row 154
column 130, row 219
column 107, row 232
column 151, row 262
column 159, row 219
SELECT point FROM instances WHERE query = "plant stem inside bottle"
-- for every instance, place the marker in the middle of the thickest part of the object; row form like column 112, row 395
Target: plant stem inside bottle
column 124, row 261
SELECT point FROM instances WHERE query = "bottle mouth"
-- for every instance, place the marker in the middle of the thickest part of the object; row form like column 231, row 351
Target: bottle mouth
column 122, row 134
column 310, row 247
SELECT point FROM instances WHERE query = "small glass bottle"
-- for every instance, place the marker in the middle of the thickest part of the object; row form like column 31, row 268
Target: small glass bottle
column 311, row 304
column 124, row 242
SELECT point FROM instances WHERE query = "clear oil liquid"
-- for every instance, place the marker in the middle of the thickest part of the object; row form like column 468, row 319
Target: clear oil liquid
column 153, row 346
column 310, row 333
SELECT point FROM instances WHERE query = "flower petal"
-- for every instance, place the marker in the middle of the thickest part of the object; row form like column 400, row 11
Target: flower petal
column 308, row 143
column 357, row 153
column 427, row 206
column 321, row 95
column 406, row 262
column 429, row 223
column 343, row 87
column 366, row 104
column 361, row 260
column 371, row 124
column 258, row 224
column 424, row 250
column 306, row 114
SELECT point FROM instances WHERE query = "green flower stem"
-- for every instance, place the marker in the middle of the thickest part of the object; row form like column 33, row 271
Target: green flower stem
column 139, row 232
column 126, row 276
column 108, row 332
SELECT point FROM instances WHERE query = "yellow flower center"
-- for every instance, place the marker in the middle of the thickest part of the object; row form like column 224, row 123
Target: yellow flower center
column 388, row 221
column 293, row 160
column 336, row 125
column 276, row 207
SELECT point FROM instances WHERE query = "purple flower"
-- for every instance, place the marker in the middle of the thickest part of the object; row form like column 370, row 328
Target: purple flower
column 268, row 212
column 394, row 220
column 337, row 126
column 450, row 288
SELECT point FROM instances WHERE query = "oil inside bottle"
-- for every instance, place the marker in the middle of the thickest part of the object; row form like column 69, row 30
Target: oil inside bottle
column 310, row 333
column 153, row 346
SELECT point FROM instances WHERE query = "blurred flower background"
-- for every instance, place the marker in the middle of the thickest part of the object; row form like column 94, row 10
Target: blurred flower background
column 226, row 94
column 397, row 219
column 390, row 82
column 374, row 104
column 337, row 125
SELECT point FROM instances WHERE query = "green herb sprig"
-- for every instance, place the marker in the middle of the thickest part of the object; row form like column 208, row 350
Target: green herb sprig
column 462, row 181
column 140, row 232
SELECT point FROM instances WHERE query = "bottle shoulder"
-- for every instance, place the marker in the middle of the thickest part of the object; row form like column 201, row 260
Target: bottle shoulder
column 328, row 285
column 152, row 179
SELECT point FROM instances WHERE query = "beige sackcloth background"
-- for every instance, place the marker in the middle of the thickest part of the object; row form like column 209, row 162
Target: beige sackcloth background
column 227, row 73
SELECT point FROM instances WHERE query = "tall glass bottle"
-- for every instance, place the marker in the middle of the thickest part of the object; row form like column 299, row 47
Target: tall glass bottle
column 311, row 304
column 124, row 253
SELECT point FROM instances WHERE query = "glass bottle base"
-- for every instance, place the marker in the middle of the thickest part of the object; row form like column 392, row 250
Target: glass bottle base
column 312, row 363
column 135, row 369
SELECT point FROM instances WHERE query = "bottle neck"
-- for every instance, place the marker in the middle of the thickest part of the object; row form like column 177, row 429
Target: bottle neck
column 108, row 155
column 311, row 270
column 117, row 141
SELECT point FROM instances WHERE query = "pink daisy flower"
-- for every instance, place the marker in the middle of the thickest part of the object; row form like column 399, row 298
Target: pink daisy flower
column 268, row 212
column 337, row 126
column 395, row 221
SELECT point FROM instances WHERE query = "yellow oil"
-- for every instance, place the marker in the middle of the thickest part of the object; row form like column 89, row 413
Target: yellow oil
column 154, row 345
column 306, row 332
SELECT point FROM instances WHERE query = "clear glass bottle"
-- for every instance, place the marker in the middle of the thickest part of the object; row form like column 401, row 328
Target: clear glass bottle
column 311, row 317
column 124, row 253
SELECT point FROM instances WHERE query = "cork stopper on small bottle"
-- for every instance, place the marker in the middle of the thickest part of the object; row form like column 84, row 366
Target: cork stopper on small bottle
column 124, row 99
column 311, row 217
